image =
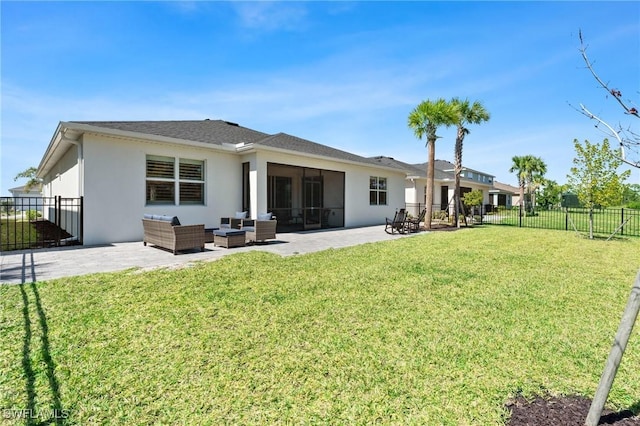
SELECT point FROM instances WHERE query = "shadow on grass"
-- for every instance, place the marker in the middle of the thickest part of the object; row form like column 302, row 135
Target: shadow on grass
column 39, row 415
column 621, row 416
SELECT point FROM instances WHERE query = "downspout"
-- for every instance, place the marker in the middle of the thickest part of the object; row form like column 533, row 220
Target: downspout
column 77, row 143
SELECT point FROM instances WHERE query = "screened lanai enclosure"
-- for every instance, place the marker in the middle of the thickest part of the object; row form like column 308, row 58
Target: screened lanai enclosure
column 305, row 198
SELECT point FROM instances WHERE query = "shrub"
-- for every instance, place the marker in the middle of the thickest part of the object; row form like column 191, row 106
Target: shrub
column 33, row 214
column 634, row 205
column 439, row 215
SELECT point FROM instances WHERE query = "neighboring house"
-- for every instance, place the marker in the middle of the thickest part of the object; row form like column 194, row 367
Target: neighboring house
column 503, row 195
column 444, row 183
column 22, row 191
column 203, row 170
column 27, row 199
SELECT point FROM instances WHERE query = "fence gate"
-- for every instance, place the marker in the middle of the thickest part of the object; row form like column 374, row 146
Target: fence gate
column 39, row 222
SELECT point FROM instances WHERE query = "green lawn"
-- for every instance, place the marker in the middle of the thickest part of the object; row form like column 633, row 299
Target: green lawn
column 441, row 328
column 16, row 235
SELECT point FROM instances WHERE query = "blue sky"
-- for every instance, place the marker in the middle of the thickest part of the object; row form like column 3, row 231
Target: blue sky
column 344, row 74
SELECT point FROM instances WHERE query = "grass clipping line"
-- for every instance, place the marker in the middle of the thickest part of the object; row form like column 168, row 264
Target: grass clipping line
column 442, row 328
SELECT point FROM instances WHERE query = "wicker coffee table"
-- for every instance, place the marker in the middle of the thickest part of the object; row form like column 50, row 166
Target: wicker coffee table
column 229, row 238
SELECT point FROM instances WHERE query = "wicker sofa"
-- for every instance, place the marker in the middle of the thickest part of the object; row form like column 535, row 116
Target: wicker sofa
column 166, row 232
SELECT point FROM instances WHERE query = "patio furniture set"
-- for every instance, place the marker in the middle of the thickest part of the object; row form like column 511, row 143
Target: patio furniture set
column 403, row 223
column 167, row 232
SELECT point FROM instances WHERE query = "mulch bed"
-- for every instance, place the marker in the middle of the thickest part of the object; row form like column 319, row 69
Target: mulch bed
column 444, row 227
column 51, row 235
column 563, row 411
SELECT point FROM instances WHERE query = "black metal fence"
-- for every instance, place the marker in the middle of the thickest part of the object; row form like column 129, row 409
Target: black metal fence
column 606, row 221
column 609, row 221
column 37, row 222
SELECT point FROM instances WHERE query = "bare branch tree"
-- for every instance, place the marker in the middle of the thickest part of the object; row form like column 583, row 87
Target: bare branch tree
column 628, row 139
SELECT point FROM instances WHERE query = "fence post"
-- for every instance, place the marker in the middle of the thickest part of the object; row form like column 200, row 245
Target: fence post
column 622, row 221
column 520, row 215
column 58, row 208
column 566, row 219
column 81, row 230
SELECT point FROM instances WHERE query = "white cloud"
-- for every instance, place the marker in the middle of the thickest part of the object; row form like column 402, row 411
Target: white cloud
column 271, row 16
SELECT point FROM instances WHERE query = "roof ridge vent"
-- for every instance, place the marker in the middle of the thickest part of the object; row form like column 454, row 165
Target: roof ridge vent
column 232, row 124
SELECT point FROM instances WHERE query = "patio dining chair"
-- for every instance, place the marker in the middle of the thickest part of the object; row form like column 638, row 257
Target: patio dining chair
column 398, row 223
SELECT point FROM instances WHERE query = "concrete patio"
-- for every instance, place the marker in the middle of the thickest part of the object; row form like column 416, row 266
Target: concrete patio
column 27, row 266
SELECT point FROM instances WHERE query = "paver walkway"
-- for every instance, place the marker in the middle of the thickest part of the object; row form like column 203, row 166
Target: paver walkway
column 27, row 266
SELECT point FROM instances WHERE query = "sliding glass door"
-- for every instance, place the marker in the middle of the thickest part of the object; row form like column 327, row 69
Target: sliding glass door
column 312, row 207
column 304, row 197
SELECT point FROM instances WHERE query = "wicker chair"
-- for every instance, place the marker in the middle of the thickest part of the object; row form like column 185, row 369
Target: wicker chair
column 230, row 223
column 259, row 230
column 233, row 222
column 161, row 231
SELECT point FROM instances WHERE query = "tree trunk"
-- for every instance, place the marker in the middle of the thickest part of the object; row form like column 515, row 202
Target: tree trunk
column 533, row 200
column 457, row 169
column 591, row 223
column 521, row 202
column 431, row 149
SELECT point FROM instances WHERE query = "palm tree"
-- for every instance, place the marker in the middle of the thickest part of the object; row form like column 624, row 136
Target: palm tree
column 519, row 165
column 529, row 168
column 425, row 120
column 535, row 177
column 466, row 113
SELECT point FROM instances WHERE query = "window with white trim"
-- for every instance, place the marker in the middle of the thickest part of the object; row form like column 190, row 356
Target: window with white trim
column 191, row 181
column 171, row 181
column 377, row 191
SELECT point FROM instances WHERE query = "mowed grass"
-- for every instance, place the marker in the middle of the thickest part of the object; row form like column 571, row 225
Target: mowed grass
column 437, row 329
column 16, row 235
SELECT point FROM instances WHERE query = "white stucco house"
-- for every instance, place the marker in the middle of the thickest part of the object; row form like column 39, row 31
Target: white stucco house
column 23, row 191
column 204, row 170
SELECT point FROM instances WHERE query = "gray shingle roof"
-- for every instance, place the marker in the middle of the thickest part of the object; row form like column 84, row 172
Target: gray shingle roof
column 392, row 162
column 294, row 143
column 444, row 169
column 503, row 187
column 214, row 132
column 218, row 132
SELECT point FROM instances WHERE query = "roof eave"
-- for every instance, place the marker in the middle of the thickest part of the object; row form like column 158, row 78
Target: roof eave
column 52, row 148
column 257, row 147
column 146, row 137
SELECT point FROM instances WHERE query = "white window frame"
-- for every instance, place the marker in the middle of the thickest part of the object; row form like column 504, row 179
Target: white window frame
column 176, row 180
column 378, row 185
column 195, row 181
